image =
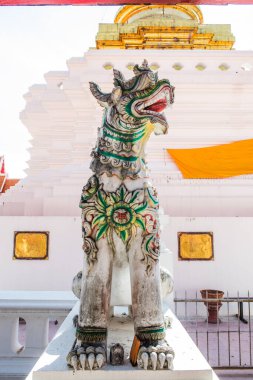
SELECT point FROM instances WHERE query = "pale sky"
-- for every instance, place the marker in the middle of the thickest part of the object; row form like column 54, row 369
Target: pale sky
column 35, row 40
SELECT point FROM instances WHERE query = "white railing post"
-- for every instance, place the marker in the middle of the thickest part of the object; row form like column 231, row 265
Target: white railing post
column 9, row 344
column 37, row 326
column 36, row 308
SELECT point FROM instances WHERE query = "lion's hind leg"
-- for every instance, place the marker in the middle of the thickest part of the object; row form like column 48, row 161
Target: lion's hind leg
column 153, row 350
column 89, row 350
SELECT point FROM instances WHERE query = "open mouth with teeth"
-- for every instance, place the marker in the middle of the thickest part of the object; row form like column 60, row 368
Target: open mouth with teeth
column 153, row 105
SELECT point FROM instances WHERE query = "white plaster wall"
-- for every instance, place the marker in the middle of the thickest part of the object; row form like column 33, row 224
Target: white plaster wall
column 65, row 254
column 231, row 269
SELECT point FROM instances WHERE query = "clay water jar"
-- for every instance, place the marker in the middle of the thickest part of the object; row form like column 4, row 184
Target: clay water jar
column 214, row 306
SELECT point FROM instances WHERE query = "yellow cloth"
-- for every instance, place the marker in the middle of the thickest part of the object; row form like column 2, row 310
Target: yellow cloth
column 218, row 161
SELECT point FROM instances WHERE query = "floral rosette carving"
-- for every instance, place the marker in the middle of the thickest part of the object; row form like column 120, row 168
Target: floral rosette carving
column 122, row 212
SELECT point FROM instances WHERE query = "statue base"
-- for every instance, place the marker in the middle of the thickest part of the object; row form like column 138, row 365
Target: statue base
column 189, row 363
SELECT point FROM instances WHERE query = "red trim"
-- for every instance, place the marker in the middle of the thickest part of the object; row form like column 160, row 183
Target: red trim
column 120, row 2
column 9, row 183
column 2, row 183
column 2, row 171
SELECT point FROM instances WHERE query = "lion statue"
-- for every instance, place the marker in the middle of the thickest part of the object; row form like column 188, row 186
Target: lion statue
column 120, row 224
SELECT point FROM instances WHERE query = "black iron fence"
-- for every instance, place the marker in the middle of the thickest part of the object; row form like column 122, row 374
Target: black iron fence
column 220, row 325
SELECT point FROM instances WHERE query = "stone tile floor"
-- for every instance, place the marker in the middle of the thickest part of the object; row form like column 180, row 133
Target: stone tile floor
column 227, row 343
column 207, row 337
column 235, row 375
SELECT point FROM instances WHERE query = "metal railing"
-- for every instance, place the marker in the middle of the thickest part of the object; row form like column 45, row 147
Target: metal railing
column 220, row 327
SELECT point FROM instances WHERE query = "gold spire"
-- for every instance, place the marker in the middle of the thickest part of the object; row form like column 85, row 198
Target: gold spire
column 127, row 12
column 162, row 27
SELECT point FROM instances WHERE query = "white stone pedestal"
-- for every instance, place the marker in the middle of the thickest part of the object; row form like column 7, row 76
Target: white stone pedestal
column 189, row 363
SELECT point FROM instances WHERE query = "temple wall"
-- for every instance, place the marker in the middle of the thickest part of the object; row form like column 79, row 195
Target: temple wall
column 64, row 258
column 229, row 271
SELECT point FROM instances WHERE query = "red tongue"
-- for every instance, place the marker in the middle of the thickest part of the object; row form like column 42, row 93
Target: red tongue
column 158, row 106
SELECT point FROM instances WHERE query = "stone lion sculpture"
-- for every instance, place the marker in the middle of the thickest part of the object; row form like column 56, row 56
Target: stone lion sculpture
column 120, row 223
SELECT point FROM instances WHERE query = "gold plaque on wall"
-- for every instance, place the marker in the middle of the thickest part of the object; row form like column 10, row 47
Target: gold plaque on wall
column 30, row 245
column 195, row 246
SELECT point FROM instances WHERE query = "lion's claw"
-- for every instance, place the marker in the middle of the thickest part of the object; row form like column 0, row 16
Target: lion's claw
column 161, row 359
column 153, row 358
column 86, row 358
column 156, row 357
column 170, row 358
column 74, row 362
column 82, row 359
column 91, row 360
column 144, row 358
column 100, row 360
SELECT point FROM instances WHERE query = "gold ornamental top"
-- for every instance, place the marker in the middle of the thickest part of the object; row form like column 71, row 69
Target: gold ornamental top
column 163, row 27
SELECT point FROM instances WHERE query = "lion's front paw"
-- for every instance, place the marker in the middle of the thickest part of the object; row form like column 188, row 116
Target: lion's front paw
column 86, row 358
column 154, row 357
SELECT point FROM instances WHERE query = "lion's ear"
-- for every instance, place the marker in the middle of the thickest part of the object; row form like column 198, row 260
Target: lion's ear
column 118, row 78
column 103, row 99
column 116, row 94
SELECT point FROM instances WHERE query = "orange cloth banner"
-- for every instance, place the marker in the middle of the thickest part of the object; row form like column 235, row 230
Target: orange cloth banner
column 218, row 161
